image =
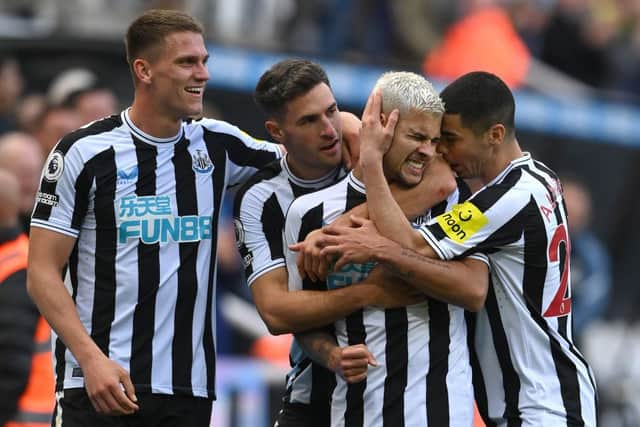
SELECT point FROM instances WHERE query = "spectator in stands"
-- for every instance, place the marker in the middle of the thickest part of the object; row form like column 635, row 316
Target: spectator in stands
column 590, row 261
column 575, row 44
column 21, row 155
column 11, row 85
column 26, row 388
column 53, row 124
column 28, row 111
column 80, row 90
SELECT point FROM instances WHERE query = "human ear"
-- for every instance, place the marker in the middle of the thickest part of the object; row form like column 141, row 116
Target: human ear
column 274, row 130
column 496, row 133
column 142, row 70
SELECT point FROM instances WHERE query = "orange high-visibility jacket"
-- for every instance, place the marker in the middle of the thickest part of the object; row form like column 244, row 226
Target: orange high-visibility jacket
column 37, row 401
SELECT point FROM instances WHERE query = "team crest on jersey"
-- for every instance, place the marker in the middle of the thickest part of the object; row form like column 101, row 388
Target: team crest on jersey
column 462, row 221
column 55, row 166
column 201, row 162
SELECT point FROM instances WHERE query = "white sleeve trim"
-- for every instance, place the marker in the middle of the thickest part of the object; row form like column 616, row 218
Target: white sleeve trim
column 53, row 227
column 277, row 263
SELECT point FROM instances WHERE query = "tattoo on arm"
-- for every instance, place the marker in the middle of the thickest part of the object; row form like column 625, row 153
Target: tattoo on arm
column 415, row 257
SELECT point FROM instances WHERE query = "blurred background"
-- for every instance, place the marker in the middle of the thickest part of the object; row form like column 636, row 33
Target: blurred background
column 574, row 66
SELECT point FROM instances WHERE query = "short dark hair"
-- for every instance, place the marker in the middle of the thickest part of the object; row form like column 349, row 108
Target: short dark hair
column 150, row 29
column 285, row 81
column 481, row 99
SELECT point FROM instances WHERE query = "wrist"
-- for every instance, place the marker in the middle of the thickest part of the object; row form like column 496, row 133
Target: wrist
column 371, row 158
column 88, row 354
column 333, row 361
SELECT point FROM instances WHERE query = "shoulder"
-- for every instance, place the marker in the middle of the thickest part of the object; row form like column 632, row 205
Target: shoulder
column 305, row 203
column 218, row 127
column 264, row 178
column 101, row 130
column 252, row 195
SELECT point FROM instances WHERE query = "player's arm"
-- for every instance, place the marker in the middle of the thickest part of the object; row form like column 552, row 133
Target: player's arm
column 350, row 362
column 437, row 183
column 461, row 282
column 48, row 253
column 350, row 139
column 285, row 311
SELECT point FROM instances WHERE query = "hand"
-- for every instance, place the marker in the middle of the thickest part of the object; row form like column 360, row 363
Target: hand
column 350, row 139
column 310, row 262
column 388, row 291
column 359, row 244
column 104, row 380
column 375, row 135
column 352, row 362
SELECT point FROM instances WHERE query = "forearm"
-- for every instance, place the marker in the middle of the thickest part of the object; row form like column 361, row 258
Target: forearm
column 463, row 283
column 57, row 307
column 321, row 347
column 297, row 311
column 383, row 209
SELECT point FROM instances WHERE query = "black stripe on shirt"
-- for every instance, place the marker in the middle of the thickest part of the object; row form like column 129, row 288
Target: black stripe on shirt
column 218, row 156
column 488, row 197
column 148, row 276
column 479, row 386
column 437, row 391
column 354, row 413
column 397, row 358
column 104, row 297
column 535, row 254
column 187, row 201
column 272, row 220
column 312, row 220
column 510, row 379
column 242, row 155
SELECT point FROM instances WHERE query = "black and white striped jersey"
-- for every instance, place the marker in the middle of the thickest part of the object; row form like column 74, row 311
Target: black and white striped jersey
column 259, row 215
column 423, row 377
column 526, row 369
column 145, row 212
column 259, row 210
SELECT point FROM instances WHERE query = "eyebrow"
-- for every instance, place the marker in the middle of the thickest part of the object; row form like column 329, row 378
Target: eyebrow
column 314, row 115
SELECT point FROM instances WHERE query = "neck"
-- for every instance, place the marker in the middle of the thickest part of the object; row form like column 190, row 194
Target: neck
column 152, row 120
column 305, row 172
column 508, row 152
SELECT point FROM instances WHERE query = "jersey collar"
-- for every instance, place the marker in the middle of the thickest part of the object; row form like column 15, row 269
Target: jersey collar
column 324, row 181
column 145, row 137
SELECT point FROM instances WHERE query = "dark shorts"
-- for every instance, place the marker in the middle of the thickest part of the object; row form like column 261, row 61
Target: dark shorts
column 74, row 409
column 302, row 415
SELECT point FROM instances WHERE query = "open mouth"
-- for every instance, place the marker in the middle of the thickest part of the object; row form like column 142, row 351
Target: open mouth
column 195, row 90
column 330, row 147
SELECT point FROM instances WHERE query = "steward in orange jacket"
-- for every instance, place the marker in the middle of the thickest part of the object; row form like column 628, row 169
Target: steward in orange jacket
column 26, row 373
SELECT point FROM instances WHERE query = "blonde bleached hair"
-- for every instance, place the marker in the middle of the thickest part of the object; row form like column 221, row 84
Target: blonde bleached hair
column 408, row 92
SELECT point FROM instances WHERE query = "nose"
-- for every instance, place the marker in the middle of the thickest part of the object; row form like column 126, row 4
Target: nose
column 202, row 72
column 441, row 148
column 427, row 149
column 328, row 129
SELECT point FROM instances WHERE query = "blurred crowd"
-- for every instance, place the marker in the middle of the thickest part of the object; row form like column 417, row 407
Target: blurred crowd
column 591, row 45
column 595, row 43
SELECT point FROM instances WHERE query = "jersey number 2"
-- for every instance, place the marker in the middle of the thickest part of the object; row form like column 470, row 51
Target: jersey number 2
column 561, row 304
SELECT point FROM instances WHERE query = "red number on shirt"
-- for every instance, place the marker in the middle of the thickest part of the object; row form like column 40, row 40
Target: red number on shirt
column 560, row 305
